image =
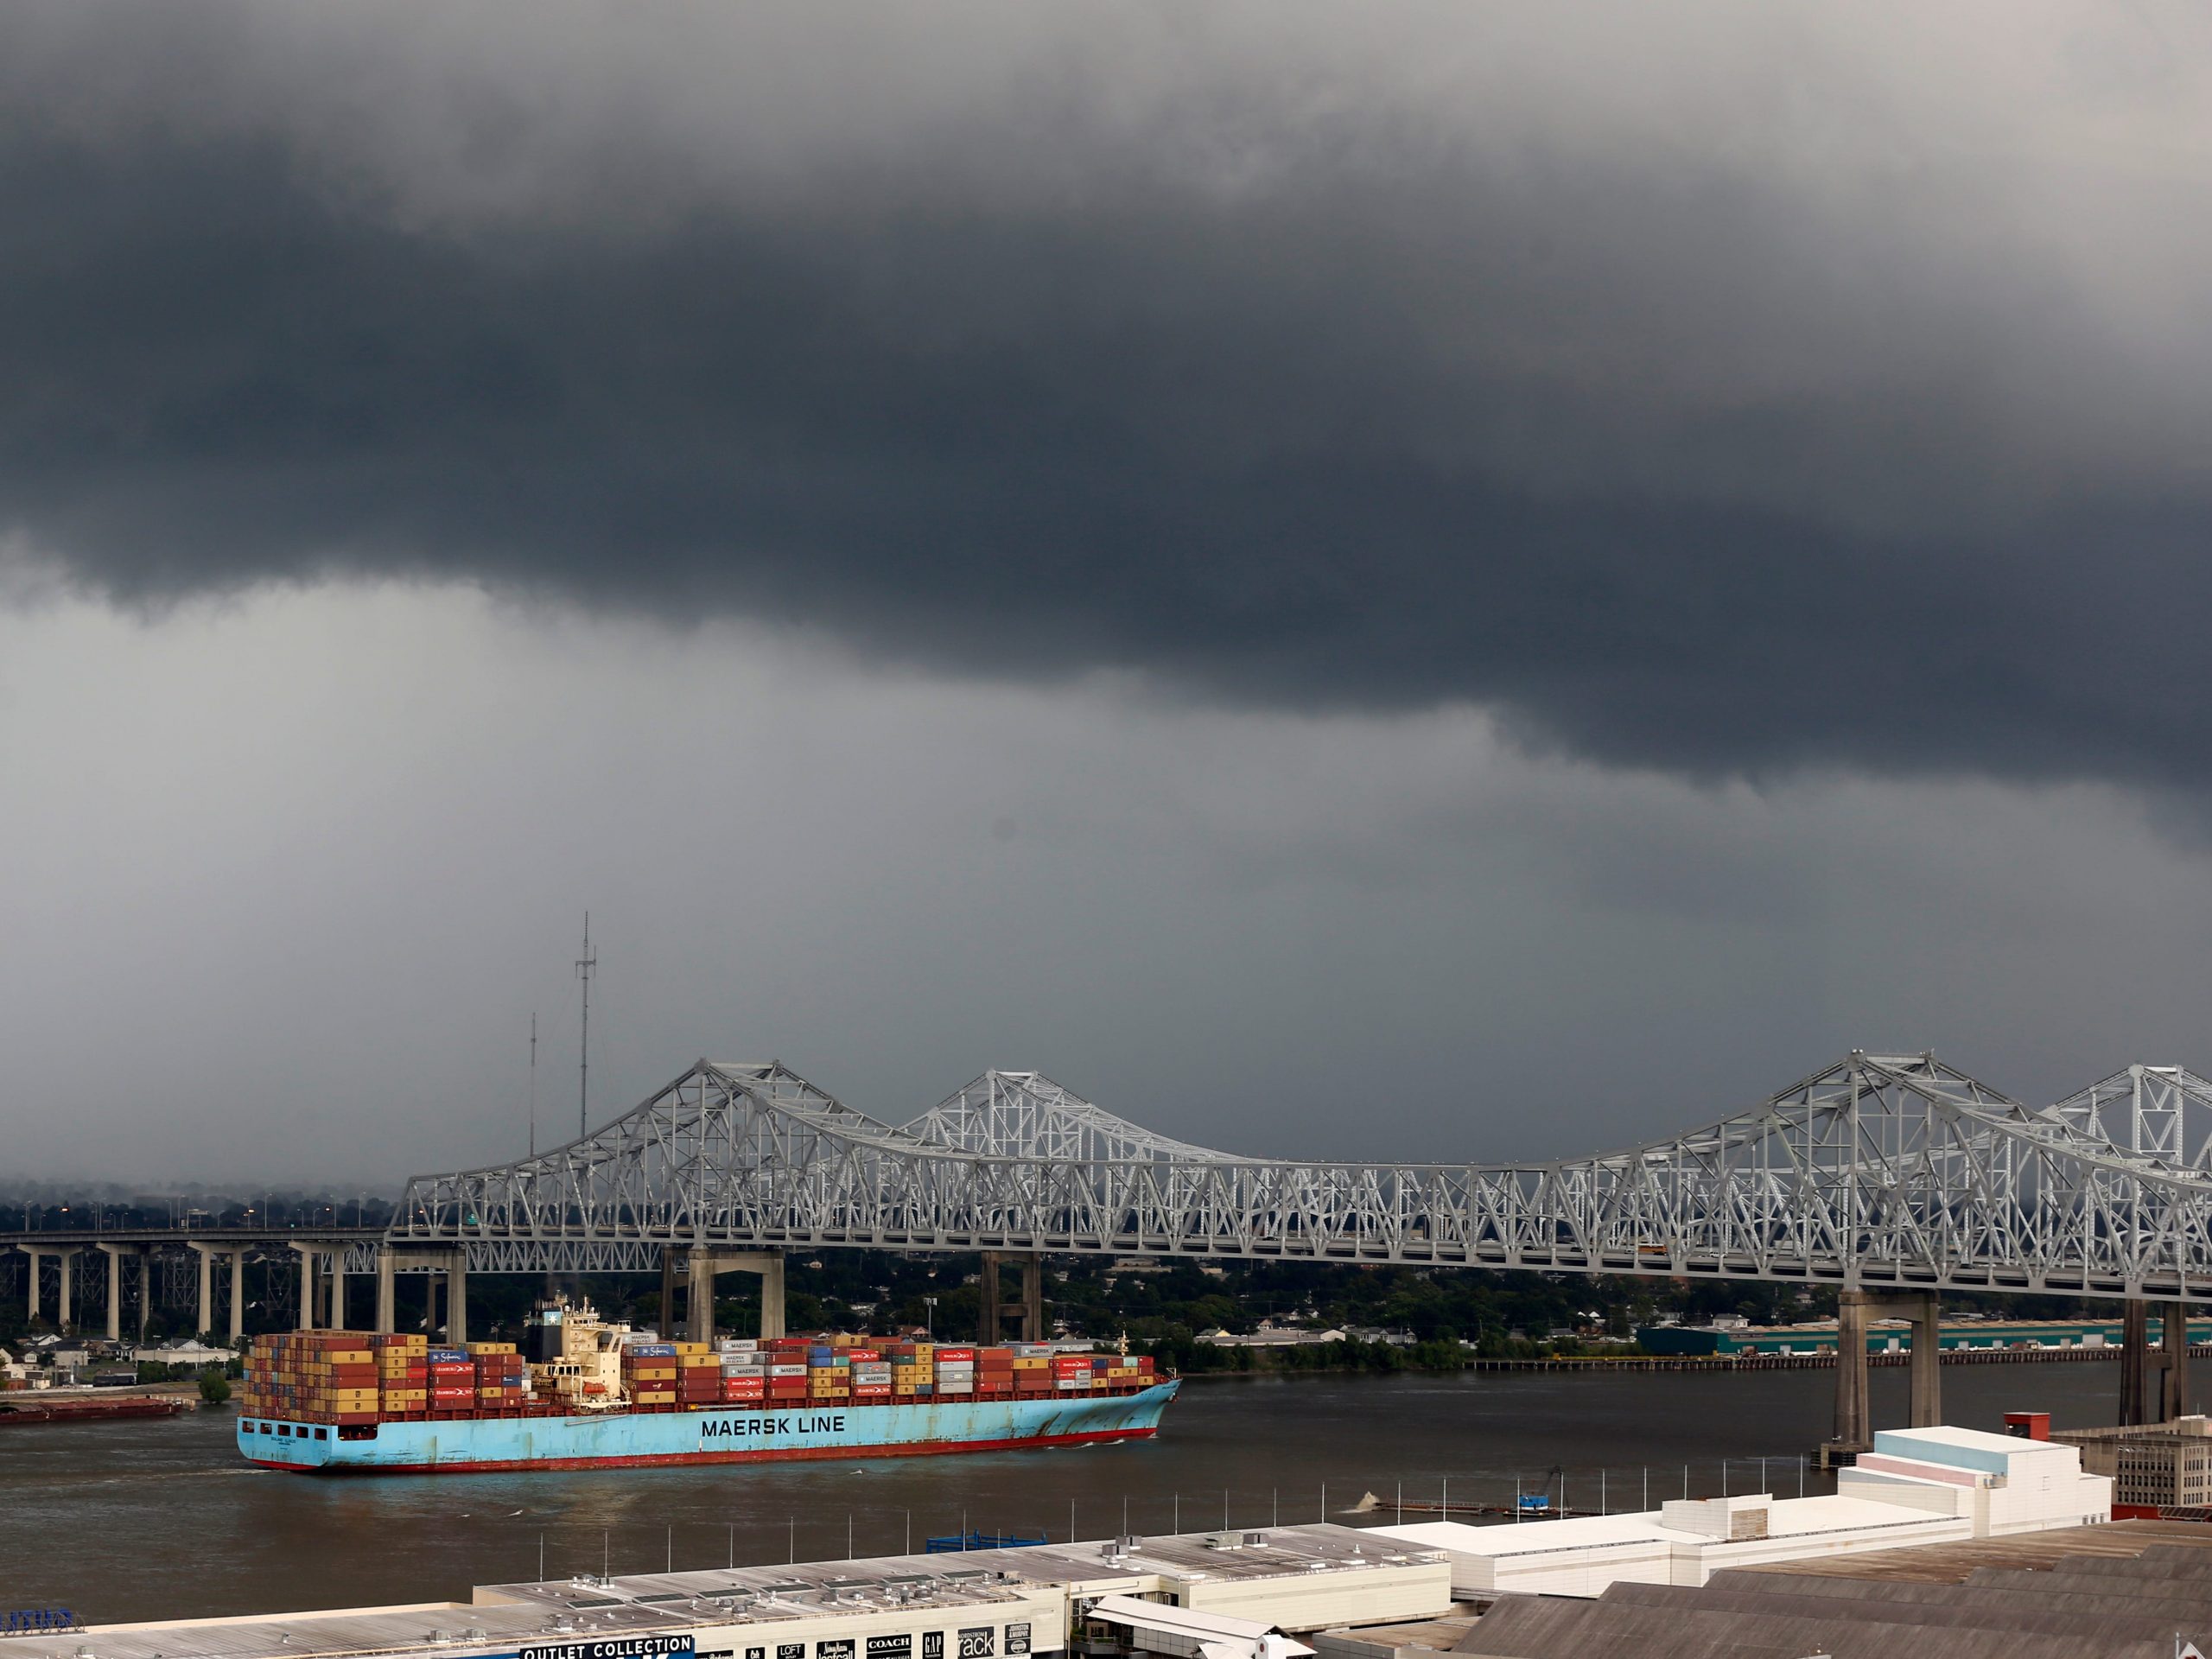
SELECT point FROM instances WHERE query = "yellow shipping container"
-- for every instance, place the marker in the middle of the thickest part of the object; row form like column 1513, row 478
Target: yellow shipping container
column 475, row 1349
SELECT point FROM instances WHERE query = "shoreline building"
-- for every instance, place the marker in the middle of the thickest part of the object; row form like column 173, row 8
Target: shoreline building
column 1019, row 1603
column 1725, row 1338
column 2152, row 1466
column 1917, row 1486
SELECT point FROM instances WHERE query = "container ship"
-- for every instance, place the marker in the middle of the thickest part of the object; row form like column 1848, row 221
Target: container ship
column 584, row 1393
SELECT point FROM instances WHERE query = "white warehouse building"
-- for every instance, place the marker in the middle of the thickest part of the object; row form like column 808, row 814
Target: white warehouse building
column 1917, row 1486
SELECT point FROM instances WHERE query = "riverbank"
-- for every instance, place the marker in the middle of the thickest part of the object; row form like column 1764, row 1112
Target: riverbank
column 1265, row 1362
column 162, row 1519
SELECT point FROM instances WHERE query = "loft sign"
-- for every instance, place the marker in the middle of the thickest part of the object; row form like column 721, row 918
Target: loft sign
column 33, row 1621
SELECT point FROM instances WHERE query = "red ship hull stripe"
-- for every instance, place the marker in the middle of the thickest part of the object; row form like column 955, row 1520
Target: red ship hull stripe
column 660, row 1459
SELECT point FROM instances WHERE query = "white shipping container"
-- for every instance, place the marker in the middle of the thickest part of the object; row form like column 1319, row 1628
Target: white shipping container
column 956, row 1388
column 787, row 1370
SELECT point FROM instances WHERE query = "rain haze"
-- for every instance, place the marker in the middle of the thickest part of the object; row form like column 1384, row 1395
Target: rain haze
column 1425, row 582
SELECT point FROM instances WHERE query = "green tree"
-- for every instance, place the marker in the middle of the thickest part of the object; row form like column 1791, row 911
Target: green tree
column 214, row 1388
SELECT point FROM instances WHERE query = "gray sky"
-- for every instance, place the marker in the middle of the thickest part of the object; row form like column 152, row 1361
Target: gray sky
column 1432, row 581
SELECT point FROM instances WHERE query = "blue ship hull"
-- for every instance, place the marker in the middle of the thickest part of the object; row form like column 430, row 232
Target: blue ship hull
column 721, row 1435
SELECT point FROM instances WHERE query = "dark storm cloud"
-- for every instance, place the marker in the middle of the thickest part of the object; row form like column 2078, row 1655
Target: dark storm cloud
column 1739, row 450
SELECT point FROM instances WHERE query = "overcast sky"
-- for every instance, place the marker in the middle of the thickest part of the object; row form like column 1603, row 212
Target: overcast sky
column 1437, row 581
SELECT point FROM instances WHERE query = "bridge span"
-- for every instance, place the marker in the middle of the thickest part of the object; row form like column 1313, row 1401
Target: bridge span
column 1889, row 1178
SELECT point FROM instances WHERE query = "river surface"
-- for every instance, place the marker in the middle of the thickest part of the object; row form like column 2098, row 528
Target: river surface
column 161, row 1520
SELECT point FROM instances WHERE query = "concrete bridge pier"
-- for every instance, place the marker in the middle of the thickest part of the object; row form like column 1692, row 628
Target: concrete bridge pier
column 208, row 1254
column 1854, row 1428
column 322, row 1285
column 62, row 1259
column 446, row 1267
column 701, row 1265
column 2134, row 1344
column 1028, row 1312
column 114, row 1255
column 307, row 1255
column 2174, row 1393
column 456, row 1278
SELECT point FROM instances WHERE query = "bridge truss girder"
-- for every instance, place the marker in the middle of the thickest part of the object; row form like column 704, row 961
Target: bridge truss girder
column 1879, row 1171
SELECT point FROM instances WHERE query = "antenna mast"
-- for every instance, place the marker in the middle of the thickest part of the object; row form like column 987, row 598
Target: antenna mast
column 585, row 965
column 533, row 1084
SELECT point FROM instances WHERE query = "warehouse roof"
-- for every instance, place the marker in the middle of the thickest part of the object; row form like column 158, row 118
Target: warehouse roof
column 1954, row 1563
column 1789, row 1517
column 562, row 1611
column 353, row 1631
column 1260, row 1553
column 2118, row 1591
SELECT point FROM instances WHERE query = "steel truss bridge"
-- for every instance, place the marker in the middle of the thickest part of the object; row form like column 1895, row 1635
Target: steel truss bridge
column 1881, row 1172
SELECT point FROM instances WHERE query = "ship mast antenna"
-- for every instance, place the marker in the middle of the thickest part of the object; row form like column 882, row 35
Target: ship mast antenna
column 586, row 965
column 533, row 1084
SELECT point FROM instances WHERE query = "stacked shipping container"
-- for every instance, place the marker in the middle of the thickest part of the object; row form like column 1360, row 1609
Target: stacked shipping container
column 402, row 1374
column 649, row 1374
column 312, row 1376
column 348, row 1378
column 499, row 1376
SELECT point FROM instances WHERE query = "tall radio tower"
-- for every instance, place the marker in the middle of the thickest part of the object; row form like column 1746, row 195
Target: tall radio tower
column 585, row 965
